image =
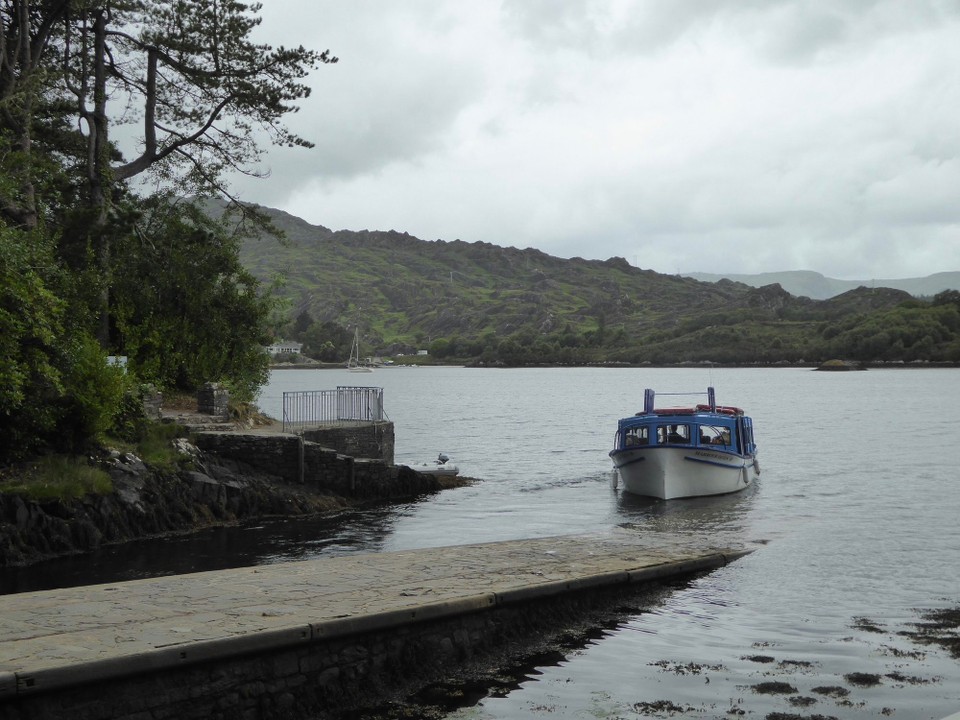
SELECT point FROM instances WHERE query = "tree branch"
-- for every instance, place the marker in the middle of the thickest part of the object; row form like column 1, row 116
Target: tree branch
column 151, row 155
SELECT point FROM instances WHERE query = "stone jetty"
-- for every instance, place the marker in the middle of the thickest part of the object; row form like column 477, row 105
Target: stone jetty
column 308, row 638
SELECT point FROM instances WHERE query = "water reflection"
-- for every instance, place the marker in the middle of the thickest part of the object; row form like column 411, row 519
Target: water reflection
column 727, row 514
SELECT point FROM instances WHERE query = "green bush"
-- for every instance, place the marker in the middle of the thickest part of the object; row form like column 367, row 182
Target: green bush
column 94, row 395
column 31, row 324
column 57, row 477
column 130, row 422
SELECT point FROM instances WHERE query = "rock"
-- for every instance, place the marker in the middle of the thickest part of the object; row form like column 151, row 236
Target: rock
column 185, row 447
column 840, row 365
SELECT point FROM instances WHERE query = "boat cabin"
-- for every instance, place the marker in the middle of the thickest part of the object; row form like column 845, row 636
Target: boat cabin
column 716, row 427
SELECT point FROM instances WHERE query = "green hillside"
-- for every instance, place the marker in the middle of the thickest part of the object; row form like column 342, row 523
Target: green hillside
column 477, row 301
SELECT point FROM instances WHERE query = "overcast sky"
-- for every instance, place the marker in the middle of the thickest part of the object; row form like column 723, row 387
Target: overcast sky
column 682, row 135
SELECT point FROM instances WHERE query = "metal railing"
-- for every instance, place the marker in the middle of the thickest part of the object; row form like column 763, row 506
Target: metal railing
column 313, row 408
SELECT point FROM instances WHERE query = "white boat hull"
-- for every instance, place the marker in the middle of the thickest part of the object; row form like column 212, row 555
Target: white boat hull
column 437, row 470
column 679, row 472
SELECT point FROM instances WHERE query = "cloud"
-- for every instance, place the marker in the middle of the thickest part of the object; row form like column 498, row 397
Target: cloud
column 705, row 135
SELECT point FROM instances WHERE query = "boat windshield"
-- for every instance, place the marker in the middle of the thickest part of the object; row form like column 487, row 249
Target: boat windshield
column 673, row 434
column 714, row 435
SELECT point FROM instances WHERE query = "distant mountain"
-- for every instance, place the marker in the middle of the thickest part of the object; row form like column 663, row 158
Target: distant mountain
column 806, row 283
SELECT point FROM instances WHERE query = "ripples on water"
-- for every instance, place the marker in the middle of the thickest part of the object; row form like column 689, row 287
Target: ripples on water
column 855, row 516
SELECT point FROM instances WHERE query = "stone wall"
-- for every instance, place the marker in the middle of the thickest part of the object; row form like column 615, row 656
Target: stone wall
column 300, row 461
column 361, row 440
column 152, row 402
column 213, row 399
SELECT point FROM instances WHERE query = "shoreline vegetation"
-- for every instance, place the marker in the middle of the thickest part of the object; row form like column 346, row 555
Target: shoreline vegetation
column 835, row 364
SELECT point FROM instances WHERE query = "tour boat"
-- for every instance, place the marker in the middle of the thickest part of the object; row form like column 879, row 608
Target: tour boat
column 677, row 452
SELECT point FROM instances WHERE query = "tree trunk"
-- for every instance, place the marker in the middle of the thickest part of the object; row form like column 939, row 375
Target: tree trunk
column 17, row 67
column 98, row 177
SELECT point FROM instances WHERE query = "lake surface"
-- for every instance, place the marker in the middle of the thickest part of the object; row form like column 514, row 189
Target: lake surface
column 856, row 520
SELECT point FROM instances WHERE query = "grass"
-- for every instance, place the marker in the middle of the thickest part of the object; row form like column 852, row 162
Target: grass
column 57, row 477
column 155, row 447
column 65, row 477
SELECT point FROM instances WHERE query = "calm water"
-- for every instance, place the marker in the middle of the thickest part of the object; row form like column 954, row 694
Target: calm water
column 855, row 518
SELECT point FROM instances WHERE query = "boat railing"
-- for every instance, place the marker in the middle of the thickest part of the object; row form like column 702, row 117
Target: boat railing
column 649, row 398
column 315, row 408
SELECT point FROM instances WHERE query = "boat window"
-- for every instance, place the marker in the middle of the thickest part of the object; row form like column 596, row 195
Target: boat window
column 714, row 435
column 636, row 436
column 673, row 434
column 748, row 434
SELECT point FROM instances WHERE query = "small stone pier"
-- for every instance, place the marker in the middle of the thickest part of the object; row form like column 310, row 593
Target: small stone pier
column 310, row 638
column 331, row 441
column 353, row 460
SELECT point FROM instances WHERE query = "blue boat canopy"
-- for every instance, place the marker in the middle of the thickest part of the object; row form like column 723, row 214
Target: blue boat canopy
column 703, row 424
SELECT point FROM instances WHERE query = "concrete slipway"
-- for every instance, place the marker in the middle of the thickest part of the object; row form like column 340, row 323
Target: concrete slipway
column 261, row 637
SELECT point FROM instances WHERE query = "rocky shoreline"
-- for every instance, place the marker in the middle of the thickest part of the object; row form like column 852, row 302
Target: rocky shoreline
column 147, row 502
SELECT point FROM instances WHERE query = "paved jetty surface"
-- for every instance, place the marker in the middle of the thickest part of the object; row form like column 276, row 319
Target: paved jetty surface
column 106, row 628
